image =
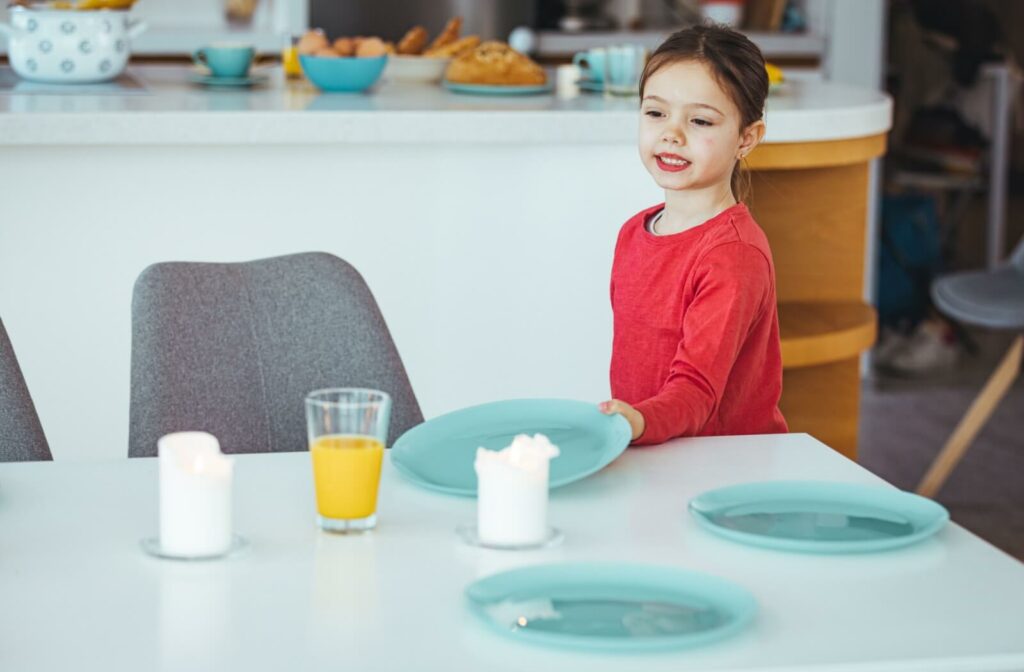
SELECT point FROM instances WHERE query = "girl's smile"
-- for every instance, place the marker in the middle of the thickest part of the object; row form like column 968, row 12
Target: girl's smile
column 672, row 163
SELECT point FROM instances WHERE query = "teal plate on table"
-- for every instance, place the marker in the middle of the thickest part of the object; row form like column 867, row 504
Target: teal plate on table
column 625, row 607
column 498, row 89
column 818, row 517
column 439, row 454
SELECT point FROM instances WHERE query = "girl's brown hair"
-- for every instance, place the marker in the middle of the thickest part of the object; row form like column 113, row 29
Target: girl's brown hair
column 736, row 63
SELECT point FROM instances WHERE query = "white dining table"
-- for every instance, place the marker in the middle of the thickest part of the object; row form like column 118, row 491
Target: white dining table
column 77, row 593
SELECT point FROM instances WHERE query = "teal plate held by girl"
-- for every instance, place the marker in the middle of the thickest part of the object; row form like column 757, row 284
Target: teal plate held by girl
column 439, row 454
column 498, row 89
column 611, row 606
column 818, row 517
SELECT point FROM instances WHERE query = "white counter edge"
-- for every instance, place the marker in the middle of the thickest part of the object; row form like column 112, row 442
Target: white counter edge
column 393, row 127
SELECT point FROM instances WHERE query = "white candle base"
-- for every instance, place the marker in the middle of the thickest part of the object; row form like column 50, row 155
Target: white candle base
column 152, row 546
column 470, row 535
column 512, row 510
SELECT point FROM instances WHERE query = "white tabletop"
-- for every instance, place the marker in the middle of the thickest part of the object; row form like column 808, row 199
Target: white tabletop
column 169, row 110
column 76, row 593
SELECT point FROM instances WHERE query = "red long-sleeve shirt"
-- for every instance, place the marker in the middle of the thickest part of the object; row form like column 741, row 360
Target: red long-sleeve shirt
column 696, row 339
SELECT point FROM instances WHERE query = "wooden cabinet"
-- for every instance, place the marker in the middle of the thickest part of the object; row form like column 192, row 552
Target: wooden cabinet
column 811, row 199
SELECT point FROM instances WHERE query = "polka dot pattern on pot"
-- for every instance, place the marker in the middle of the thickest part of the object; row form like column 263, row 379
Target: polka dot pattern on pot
column 70, row 46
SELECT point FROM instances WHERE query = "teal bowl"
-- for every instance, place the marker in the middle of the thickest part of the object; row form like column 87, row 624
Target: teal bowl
column 348, row 74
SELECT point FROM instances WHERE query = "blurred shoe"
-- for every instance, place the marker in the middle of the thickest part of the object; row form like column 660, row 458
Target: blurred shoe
column 930, row 349
column 890, row 343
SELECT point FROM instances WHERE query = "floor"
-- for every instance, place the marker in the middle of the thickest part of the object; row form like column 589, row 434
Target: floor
column 905, row 422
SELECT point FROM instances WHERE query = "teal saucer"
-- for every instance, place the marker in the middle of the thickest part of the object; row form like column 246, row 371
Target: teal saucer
column 254, row 79
column 497, row 90
column 611, row 606
column 818, row 516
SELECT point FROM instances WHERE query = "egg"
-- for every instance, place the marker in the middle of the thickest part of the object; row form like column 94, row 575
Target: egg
column 345, row 46
column 371, row 47
column 312, row 41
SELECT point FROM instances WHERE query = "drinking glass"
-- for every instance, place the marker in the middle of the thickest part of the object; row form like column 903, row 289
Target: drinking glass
column 348, row 430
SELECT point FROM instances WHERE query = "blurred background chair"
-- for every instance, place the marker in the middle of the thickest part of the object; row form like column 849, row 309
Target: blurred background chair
column 995, row 300
column 233, row 349
column 21, row 435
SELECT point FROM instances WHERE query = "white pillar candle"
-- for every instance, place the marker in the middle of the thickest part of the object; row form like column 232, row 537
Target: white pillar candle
column 195, row 495
column 512, row 491
column 567, row 79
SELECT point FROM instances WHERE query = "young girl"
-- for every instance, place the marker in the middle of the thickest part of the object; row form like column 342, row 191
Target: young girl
column 696, row 342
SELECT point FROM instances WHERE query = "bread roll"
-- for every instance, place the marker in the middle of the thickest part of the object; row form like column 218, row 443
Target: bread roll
column 414, row 41
column 495, row 63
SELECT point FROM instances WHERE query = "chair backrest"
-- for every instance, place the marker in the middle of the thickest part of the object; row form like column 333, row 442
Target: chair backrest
column 233, row 349
column 21, row 435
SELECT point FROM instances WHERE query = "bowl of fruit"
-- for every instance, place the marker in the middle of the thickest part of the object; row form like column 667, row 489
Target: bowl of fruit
column 349, row 64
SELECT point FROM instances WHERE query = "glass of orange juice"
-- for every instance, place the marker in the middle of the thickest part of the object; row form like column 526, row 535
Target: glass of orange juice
column 348, row 428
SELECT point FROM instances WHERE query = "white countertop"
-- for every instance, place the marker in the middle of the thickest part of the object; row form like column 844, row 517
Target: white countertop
column 168, row 110
column 78, row 593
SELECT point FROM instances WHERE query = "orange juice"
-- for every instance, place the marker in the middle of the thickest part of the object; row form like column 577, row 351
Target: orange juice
column 290, row 62
column 346, row 471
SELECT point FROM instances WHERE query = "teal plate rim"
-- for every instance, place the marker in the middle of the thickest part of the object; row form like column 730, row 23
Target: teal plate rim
column 498, row 89
column 937, row 514
column 621, row 427
column 731, row 596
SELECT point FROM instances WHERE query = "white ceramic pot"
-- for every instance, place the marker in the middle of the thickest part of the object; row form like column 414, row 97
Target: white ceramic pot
column 68, row 46
column 418, row 69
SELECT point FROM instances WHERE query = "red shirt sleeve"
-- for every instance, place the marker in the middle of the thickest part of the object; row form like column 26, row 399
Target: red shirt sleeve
column 731, row 285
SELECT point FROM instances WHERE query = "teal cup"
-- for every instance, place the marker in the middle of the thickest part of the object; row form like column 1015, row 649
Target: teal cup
column 226, row 60
column 591, row 63
column 623, row 67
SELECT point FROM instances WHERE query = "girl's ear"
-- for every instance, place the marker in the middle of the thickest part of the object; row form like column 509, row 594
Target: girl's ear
column 750, row 137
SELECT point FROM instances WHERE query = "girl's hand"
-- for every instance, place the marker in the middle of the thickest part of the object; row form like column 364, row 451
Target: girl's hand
column 635, row 418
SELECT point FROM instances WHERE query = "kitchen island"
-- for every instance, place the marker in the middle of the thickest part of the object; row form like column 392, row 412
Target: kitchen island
column 484, row 226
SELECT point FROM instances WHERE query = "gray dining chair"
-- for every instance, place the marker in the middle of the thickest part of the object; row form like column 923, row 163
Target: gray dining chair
column 995, row 300
column 233, row 349
column 21, row 436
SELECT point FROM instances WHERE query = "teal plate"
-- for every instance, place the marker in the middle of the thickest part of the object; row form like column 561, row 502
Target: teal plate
column 818, row 517
column 624, row 607
column 497, row 89
column 254, row 79
column 439, row 454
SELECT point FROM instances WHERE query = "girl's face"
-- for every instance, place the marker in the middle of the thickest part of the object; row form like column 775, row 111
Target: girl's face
column 690, row 136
